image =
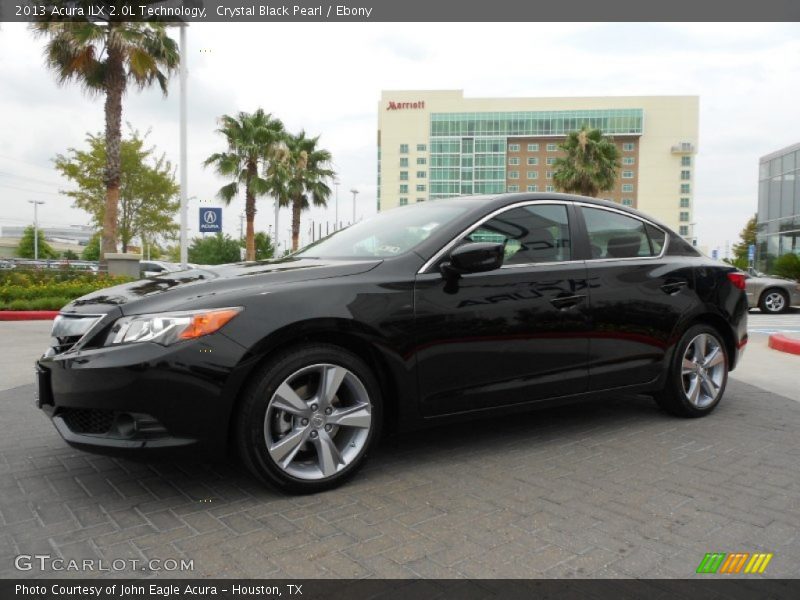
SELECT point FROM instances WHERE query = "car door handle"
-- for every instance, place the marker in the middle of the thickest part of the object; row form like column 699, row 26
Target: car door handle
column 562, row 302
column 673, row 287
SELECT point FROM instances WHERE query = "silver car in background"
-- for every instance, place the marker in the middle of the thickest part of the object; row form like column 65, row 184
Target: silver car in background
column 772, row 295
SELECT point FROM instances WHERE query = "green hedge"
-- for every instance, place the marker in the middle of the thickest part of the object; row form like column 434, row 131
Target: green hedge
column 48, row 289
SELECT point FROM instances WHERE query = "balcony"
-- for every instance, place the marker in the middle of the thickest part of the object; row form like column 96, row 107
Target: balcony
column 683, row 148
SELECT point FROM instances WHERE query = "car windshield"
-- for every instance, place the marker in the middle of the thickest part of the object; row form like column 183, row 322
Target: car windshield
column 389, row 233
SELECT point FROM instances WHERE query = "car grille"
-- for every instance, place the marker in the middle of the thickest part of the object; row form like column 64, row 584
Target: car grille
column 88, row 420
column 69, row 330
column 65, row 342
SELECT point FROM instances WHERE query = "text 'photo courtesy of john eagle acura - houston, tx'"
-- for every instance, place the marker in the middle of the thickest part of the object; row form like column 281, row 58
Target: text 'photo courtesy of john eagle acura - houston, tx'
column 460, row 308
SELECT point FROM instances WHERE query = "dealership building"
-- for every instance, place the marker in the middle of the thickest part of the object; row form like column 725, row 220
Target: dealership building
column 778, row 205
column 439, row 144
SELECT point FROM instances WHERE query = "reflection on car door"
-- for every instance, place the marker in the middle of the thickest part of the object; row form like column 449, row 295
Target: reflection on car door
column 637, row 297
column 513, row 335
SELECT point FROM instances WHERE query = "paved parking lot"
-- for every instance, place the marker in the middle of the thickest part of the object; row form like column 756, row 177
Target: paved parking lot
column 604, row 490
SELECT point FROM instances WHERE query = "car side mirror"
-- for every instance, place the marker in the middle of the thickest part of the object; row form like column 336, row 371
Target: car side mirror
column 474, row 257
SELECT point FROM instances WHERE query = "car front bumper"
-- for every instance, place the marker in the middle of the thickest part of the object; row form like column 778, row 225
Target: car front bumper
column 143, row 396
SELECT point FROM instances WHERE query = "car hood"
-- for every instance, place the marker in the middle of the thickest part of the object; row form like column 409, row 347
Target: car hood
column 208, row 286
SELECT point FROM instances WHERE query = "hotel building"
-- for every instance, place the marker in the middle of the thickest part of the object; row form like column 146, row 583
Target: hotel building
column 438, row 144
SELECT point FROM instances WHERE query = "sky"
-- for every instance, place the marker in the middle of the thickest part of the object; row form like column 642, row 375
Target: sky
column 326, row 78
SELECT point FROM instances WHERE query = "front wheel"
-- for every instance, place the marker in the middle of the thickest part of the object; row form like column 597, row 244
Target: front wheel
column 308, row 420
column 774, row 302
column 698, row 374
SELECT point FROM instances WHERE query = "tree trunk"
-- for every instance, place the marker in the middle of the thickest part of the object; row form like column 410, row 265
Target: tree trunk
column 296, row 208
column 115, row 88
column 250, row 214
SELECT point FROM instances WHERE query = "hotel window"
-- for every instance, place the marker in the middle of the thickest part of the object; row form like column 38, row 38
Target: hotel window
column 685, row 217
column 627, row 147
column 533, row 174
column 422, row 161
column 513, row 174
column 421, row 147
column 513, row 161
column 686, row 175
column 404, row 161
column 403, row 201
column 533, row 188
column 533, row 147
column 627, row 187
column 552, row 147
column 627, row 160
column 627, row 174
column 685, row 188
column 551, row 160
column 420, row 187
column 404, row 188
column 550, row 188
column 627, row 202
column 548, row 174
column 513, row 188
column 686, row 161
column 403, row 175
column 533, row 161
column 403, row 148
column 422, row 174
column 513, row 147
column 684, row 230
column 684, row 203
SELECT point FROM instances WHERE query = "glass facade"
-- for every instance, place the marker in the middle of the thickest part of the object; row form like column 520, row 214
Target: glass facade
column 468, row 150
column 778, row 206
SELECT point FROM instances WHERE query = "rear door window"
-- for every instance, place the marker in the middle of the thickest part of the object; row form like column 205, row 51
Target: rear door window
column 614, row 235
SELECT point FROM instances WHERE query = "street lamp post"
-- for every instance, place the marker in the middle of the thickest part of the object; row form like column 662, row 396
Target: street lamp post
column 183, row 166
column 336, row 213
column 36, row 204
column 354, row 191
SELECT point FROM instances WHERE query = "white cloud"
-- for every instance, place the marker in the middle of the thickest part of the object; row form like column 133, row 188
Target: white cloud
column 327, row 78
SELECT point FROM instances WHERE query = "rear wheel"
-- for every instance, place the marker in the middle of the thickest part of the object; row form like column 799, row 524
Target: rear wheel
column 698, row 374
column 774, row 301
column 308, row 420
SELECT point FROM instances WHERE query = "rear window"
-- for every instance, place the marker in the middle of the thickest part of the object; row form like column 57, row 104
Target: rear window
column 614, row 235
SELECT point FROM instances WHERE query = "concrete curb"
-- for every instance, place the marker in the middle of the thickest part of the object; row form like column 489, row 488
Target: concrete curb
column 784, row 344
column 28, row 315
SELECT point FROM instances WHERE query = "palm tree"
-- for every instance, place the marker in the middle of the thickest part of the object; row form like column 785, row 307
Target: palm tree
column 104, row 58
column 591, row 163
column 302, row 175
column 255, row 141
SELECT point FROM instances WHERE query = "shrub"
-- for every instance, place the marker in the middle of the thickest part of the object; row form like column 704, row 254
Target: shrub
column 48, row 289
column 787, row 265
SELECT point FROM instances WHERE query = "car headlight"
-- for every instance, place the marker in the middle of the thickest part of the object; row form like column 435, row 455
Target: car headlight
column 168, row 328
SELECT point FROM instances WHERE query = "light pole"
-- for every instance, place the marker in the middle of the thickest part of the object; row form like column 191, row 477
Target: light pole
column 183, row 166
column 354, row 191
column 336, row 219
column 36, row 204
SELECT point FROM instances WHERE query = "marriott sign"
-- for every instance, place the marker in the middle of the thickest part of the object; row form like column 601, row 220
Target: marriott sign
column 405, row 105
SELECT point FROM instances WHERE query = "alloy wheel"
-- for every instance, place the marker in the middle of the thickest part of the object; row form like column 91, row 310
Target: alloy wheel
column 774, row 302
column 317, row 421
column 703, row 370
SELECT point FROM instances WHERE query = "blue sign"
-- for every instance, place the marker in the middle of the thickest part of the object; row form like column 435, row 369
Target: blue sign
column 751, row 252
column 715, row 254
column 210, row 219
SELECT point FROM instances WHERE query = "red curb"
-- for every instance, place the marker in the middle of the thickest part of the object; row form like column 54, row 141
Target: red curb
column 28, row 315
column 784, row 344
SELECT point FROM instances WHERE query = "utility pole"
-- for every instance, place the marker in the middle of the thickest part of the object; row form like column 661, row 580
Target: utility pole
column 183, row 153
column 241, row 226
column 336, row 220
column 36, row 204
column 354, row 191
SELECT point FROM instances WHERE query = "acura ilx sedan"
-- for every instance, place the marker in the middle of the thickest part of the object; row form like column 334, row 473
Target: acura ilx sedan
column 467, row 307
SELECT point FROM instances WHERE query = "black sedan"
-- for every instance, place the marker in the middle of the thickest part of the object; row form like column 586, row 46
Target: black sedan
column 443, row 310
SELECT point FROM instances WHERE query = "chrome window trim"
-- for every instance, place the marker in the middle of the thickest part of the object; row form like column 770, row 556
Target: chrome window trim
column 629, row 215
column 446, row 248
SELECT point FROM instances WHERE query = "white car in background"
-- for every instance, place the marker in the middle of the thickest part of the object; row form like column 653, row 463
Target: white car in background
column 772, row 295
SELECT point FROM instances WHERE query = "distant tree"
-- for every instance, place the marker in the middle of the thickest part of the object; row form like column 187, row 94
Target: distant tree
column 105, row 56
column 590, row 165
column 148, row 192
column 263, row 246
column 92, row 249
column 26, row 249
column 746, row 237
column 70, row 255
column 214, row 250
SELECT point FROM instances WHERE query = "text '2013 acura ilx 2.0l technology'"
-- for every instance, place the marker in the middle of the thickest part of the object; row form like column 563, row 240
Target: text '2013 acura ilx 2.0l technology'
column 471, row 306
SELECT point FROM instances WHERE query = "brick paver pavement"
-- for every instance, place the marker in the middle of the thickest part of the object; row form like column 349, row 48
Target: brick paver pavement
column 604, row 490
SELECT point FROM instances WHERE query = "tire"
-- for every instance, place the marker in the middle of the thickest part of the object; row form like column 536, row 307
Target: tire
column 773, row 301
column 318, row 440
column 687, row 391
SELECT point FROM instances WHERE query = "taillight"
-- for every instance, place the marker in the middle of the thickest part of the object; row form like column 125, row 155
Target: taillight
column 737, row 279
